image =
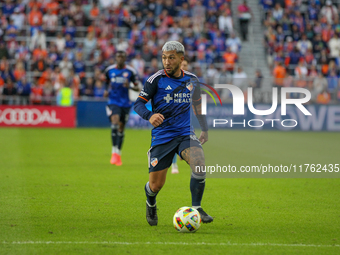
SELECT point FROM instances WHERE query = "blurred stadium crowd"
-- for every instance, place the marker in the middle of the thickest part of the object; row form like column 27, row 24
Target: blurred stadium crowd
column 303, row 46
column 49, row 44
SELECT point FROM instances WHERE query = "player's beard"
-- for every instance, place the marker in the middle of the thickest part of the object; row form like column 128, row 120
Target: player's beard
column 173, row 71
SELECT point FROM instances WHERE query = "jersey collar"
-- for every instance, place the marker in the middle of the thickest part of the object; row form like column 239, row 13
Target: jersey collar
column 173, row 77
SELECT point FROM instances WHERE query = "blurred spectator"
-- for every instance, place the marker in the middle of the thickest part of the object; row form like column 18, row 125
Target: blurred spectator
column 18, row 19
column 138, row 64
column 304, row 45
column 8, row 8
column 301, row 73
column 79, row 66
column 99, row 89
column 87, row 88
column 244, row 16
column 12, row 30
column 19, row 71
column 211, row 74
column 39, row 64
column 230, row 58
column 333, row 84
column 9, row 92
column 38, row 39
column 60, row 42
column 258, row 79
column 334, row 46
column 234, row 43
column 52, row 5
column 279, row 74
column 50, row 23
column 69, row 42
column 323, row 98
column 65, row 66
column 70, row 28
column 35, row 17
column 3, row 50
column 24, row 91
column 240, row 79
column 319, row 85
column 90, row 44
column 225, row 23
column 329, row 11
column 79, row 18
column 48, row 93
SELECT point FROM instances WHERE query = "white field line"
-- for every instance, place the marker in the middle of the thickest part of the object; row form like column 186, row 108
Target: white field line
column 173, row 243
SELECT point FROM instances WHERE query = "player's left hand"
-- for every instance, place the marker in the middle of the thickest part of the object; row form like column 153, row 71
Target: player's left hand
column 203, row 137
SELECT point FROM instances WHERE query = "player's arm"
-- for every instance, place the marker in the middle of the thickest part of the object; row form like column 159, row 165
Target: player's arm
column 145, row 95
column 107, row 84
column 134, row 81
column 196, row 105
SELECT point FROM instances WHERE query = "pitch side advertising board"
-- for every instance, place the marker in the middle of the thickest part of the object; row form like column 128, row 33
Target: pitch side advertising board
column 37, row 116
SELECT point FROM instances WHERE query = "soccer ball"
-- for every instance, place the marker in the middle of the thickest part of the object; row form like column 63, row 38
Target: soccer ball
column 187, row 219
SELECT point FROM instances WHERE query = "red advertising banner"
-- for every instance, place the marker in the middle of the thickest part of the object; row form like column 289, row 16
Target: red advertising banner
column 37, row 116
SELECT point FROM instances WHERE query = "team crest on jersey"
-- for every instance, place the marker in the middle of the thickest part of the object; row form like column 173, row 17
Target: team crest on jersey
column 154, row 161
column 125, row 74
column 190, row 86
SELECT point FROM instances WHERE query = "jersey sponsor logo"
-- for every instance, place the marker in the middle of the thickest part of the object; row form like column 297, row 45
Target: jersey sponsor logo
column 154, row 161
column 168, row 98
column 178, row 98
column 118, row 80
column 168, row 87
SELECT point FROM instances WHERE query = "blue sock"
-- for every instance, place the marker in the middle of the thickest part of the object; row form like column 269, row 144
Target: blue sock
column 150, row 195
column 197, row 185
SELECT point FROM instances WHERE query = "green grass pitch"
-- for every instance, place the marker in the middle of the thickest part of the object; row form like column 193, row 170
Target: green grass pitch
column 60, row 195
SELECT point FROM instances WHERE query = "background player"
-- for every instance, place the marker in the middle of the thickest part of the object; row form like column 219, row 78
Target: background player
column 174, row 166
column 171, row 92
column 119, row 77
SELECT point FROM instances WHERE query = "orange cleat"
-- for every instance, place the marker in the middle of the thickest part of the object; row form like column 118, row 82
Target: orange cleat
column 119, row 160
column 114, row 158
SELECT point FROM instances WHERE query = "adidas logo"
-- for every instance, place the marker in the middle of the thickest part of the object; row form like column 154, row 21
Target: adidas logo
column 168, row 88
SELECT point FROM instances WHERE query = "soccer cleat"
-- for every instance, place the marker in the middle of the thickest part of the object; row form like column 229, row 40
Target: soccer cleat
column 119, row 160
column 206, row 218
column 114, row 158
column 174, row 169
column 151, row 214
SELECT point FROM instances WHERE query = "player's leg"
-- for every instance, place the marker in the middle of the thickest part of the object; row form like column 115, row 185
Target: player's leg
column 174, row 166
column 113, row 113
column 159, row 158
column 194, row 156
column 123, row 118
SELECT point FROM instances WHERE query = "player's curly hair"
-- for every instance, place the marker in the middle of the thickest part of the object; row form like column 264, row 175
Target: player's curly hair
column 174, row 45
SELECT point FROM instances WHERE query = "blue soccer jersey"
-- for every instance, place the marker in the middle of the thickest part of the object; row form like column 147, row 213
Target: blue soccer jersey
column 116, row 78
column 171, row 97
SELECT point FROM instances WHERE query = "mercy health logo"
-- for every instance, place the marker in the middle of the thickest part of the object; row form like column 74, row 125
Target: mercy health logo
column 238, row 105
column 37, row 116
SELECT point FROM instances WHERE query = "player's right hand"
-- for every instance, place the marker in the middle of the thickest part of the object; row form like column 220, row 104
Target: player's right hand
column 156, row 119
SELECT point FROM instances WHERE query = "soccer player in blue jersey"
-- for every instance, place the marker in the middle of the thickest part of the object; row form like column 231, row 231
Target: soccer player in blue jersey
column 172, row 92
column 119, row 78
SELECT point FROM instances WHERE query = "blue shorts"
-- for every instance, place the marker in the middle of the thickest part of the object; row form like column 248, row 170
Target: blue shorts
column 160, row 156
column 123, row 112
